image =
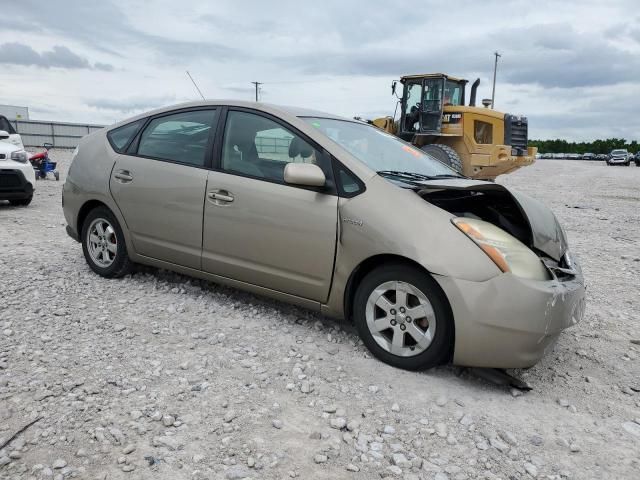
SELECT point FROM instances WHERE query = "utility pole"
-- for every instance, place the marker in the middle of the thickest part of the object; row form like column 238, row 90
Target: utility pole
column 495, row 69
column 257, row 84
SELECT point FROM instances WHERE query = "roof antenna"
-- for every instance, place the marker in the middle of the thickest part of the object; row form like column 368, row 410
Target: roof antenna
column 195, row 84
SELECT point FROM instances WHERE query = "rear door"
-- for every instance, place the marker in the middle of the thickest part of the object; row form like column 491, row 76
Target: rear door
column 159, row 184
column 259, row 230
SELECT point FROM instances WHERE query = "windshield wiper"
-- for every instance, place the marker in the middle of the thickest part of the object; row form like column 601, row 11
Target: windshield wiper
column 416, row 176
column 447, row 175
column 411, row 175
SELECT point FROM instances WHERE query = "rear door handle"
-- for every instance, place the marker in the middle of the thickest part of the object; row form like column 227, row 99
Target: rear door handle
column 123, row 176
column 220, row 197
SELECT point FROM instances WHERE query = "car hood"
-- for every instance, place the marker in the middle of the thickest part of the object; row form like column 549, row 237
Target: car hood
column 544, row 231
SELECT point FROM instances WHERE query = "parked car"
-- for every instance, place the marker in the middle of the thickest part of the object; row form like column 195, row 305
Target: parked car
column 17, row 177
column 619, row 156
column 334, row 215
column 559, row 156
column 589, row 156
column 602, row 156
column 572, row 156
column 636, row 159
column 8, row 134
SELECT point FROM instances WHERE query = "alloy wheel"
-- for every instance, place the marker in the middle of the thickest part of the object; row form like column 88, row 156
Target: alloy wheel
column 102, row 242
column 400, row 318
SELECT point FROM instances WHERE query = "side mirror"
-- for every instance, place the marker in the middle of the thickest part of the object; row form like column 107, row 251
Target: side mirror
column 4, row 134
column 305, row 174
column 393, row 87
column 47, row 145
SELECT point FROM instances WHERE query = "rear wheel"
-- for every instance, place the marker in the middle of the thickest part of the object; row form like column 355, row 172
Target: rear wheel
column 21, row 202
column 103, row 244
column 445, row 154
column 403, row 317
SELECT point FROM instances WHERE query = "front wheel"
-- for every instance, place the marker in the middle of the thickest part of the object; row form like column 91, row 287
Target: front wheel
column 404, row 318
column 445, row 154
column 21, row 202
column 103, row 244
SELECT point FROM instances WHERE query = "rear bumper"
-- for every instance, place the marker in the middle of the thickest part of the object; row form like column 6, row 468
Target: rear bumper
column 14, row 185
column 510, row 322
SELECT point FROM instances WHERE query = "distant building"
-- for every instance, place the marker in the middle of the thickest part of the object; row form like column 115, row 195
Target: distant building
column 13, row 112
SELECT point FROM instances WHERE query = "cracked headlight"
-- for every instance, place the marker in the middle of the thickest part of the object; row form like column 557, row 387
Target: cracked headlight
column 20, row 156
column 506, row 251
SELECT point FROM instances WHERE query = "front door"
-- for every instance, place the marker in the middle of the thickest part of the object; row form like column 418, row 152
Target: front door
column 259, row 230
column 159, row 186
column 431, row 113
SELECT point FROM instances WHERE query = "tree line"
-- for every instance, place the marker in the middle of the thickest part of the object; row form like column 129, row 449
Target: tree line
column 597, row 146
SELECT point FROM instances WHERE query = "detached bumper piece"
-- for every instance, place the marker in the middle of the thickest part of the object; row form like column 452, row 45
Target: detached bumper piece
column 14, row 185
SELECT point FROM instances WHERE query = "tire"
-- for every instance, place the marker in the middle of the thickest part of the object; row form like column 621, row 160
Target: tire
column 21, row 202
column 423, row 292
column 107, row 255
column 445, row 154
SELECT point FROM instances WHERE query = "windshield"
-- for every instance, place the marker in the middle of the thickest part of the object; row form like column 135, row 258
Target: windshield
column 379, row 150
column 618, row 152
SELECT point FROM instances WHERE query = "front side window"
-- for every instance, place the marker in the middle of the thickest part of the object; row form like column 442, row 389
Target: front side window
column 182, row 137
column 120, row 137
column 260, row 147
column 452, row 93
column 379, row 150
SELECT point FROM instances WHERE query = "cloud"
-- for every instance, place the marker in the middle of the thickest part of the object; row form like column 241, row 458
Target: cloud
column 573, row 66
column 58, row 57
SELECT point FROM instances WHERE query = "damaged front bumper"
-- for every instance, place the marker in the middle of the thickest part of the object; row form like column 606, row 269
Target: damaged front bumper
column 511, row 322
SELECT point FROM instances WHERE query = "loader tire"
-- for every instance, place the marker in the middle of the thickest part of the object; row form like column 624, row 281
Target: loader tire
column 445, row 154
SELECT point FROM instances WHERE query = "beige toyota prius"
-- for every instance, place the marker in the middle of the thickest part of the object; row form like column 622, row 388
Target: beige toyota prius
column 334, row 215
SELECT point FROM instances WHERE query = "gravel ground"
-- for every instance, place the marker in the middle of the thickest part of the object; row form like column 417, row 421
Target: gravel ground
column 160, row 376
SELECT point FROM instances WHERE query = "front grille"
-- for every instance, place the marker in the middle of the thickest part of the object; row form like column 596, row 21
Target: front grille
column 515, row 133
column 9, row 178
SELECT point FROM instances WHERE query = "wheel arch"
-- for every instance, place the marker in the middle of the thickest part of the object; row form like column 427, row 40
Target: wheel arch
column 370, row 264
column 84, row 211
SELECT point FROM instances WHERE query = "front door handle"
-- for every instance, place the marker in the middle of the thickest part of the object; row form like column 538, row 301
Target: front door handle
column 124, row 176
column 220, row 197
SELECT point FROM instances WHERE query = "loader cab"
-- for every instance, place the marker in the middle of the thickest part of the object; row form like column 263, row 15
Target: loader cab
column 423, row 100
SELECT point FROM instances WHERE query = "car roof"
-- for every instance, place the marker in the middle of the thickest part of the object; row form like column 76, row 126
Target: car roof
column 278, row 110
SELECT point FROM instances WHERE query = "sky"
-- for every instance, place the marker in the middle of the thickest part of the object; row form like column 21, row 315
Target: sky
column 572, row 67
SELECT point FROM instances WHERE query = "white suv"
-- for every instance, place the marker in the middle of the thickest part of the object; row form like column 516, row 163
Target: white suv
column 17, row 177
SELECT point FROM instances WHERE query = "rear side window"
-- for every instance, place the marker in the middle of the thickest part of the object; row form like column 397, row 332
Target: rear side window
column 119, row 138
column 182, row 137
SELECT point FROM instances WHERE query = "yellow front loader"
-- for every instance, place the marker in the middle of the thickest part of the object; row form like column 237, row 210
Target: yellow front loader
column 478, row 142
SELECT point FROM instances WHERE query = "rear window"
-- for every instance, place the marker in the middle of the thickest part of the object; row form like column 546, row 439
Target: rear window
column 120, row 137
